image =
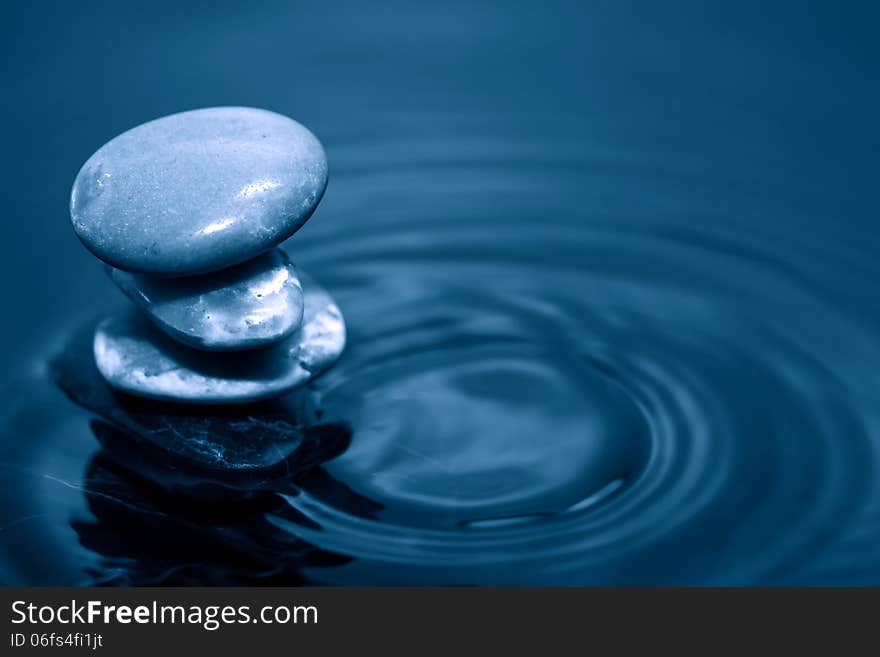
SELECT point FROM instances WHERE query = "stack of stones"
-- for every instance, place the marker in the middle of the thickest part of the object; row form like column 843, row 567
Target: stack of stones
column 187, row 212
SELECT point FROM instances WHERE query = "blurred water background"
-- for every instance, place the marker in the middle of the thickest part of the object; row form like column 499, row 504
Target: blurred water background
column 609, row 270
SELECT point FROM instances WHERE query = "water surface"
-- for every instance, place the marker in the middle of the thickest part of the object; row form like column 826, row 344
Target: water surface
column 608, row 272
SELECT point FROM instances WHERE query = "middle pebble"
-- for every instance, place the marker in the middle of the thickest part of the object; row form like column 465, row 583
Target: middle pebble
column 250, row 305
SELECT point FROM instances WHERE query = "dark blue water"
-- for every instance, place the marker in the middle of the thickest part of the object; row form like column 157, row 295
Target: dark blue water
column 609, row 271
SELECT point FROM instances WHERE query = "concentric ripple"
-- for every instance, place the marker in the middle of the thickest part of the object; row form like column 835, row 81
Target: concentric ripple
column 577, row 399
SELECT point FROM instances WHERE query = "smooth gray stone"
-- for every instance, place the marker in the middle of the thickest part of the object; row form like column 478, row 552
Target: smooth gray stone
column 250, row 305
column 198, row 191
column 135, row 357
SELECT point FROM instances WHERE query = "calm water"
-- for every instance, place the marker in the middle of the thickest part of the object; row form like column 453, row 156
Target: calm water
column 610, row 275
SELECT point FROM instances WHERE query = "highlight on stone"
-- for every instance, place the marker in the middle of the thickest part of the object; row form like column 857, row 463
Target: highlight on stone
column 187, row 212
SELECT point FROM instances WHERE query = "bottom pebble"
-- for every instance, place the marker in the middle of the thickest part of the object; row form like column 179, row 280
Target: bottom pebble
column 137, row 358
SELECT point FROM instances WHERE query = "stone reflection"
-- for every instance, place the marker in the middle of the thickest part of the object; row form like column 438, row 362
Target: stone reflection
column 155, row 525
column 181, row 495
column 231, row 437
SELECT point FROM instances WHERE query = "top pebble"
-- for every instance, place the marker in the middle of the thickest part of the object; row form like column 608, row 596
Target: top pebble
column 198, row 191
